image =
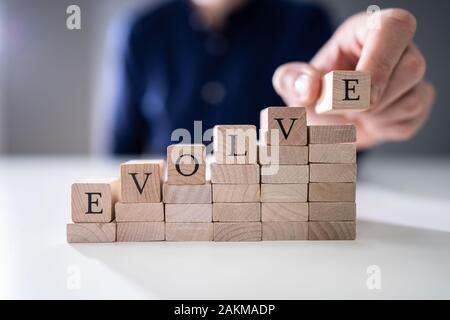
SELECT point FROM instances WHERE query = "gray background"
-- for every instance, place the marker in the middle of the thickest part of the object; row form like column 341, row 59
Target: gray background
column 51, row 84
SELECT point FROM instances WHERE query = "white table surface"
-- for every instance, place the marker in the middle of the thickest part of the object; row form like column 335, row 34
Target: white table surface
column 403, row 227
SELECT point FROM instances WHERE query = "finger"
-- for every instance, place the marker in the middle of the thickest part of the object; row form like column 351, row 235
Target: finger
column 408, row 73
column 405, row 129
column 382, row 47
column 297, row 83
column 407, row 107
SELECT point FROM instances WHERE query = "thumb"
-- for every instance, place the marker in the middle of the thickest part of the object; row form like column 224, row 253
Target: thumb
column 297, row 83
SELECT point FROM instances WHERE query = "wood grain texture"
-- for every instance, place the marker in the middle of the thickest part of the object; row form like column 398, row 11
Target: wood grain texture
column 333, row 172
column 336, row 97
column 284, row 211
column 332, row 211
column 292, row 131
column 331, row 134
column 189, row 231
column 201, row 193
column 237, row 231
column 332, row 153
column 140, row 231
column 93, row 201
column 141, row 181
column 139, row 212
column 186, row 164
column 284, row 230
column 235, row 144
column 193, row 212
column 91, row 232
column 282, row 154
column 236, row 212
column 332, row 230
column 285, row 174
column 236, row 193
column 332, row 192
column 235, row 174
column 284, row 192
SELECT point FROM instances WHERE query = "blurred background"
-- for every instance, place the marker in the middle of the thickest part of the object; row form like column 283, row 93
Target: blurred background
column 53, row 97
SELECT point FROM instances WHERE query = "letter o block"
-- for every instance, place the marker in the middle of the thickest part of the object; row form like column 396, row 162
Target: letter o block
column 186, row 164
column 94, row 201
column 344, row 91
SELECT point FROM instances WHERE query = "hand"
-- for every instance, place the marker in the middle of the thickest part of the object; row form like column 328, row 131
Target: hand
column 401, row 99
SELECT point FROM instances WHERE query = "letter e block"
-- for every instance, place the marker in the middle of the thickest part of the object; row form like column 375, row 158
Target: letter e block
column 141, row 181
column 94, row 201
column 344, row 91
column 186, row 164
column 284, row 126
column 235, row 144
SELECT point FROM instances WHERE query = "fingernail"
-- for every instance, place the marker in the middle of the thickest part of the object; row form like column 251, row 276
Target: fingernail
column 288, row 81
column 303, row 85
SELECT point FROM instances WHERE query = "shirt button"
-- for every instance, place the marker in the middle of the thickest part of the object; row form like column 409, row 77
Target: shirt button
column 213, row 92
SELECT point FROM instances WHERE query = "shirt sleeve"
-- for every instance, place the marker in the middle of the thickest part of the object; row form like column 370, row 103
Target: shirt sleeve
column 129, row 127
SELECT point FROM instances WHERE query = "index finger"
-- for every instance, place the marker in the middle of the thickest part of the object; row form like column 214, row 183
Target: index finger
column 383, row 46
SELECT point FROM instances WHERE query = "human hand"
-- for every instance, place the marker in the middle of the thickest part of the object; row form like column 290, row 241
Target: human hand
column 401, row 99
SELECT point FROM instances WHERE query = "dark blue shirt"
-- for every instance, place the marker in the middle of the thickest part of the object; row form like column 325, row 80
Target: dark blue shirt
column 174, row 71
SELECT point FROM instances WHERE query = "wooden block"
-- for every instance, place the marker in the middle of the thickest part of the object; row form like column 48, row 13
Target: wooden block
column 139, row 212
column 235, row 144
column 284, row 211
column 234, row 212
column 332, row 211
column 332, row 230
column 94, row 201
column 193, row 212
column 332, row 134
column 189, row 231
column 141, row 181
column 332, row 172
column 91, row 232
column 140, row 231
column 236, row 193
column 284, row 230
column 289, row 124
column 344, row 91
column 284, row 192
column 201, row 193
column 234, row 173
column 237, row 231
column 186, row 164
column 282, row 154
column 332, row 192
column 332, row 153
column 285, row 174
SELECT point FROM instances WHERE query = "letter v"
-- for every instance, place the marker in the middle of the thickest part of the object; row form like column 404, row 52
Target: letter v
column 280, row 123
column 140, row 189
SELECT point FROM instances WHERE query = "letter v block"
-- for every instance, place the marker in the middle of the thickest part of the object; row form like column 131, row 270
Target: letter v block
column 93, row 201
column 141, row 181
column 344, row 91
column 284, row 126
column 235, row 144
column 186, row 164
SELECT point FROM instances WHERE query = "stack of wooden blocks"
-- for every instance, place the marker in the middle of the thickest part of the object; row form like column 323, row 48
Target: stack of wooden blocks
column 298, row 183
